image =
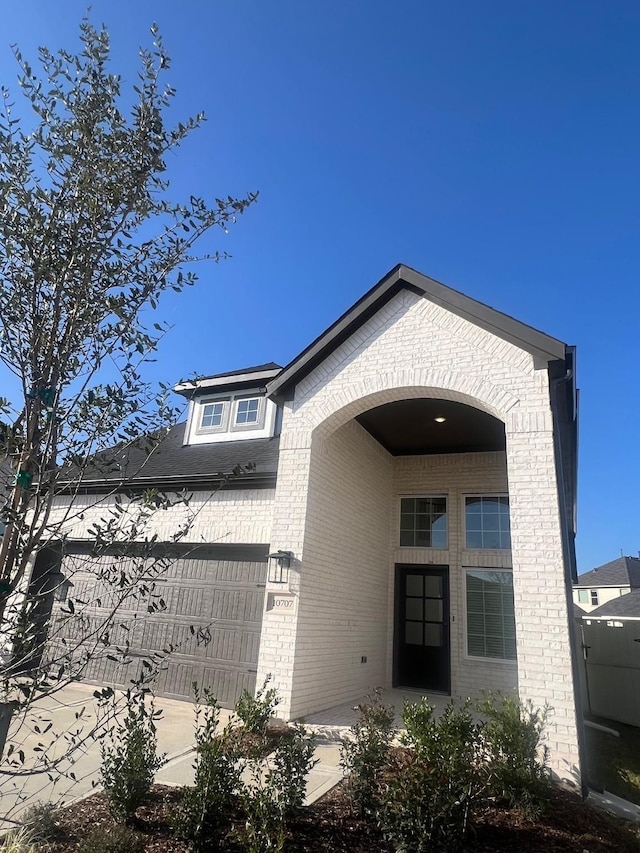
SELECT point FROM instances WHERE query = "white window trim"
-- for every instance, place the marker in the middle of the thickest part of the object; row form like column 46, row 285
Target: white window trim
column 224, row 424
column 257, row 424
column 463, row 512
column 419, row 496
column 465, row 617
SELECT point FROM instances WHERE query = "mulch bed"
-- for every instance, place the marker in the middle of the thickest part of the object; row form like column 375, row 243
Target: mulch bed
column 329, row 826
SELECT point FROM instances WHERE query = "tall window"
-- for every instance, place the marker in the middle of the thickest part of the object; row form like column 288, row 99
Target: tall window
column 423, row 522
column 594, row 597
column 487, row 522
column 491, row 627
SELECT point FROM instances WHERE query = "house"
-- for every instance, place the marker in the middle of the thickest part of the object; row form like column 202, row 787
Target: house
column 610, row 581
column 408, row 520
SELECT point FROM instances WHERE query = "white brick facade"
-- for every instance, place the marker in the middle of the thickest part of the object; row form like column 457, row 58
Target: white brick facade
column 225, row 516
column 336, row 509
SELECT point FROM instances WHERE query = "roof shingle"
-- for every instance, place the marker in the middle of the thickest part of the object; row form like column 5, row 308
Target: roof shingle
column 623, row 571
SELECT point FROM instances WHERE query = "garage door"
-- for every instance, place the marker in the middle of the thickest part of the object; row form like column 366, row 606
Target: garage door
column 211, row 600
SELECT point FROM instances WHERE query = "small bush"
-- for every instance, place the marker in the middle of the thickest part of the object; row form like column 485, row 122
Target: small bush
column 516, row 753
column 365, row 754
column 265, row 828
column 204, row 807
column 276, row 791
column 40, row 820
column 256, row 711
column 117, row 839
column 130, row 758
column 428, row 803
column 292, row 761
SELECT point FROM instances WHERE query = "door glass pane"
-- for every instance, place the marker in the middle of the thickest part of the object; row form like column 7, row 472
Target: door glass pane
column 433, row 610
column 414, row 608
column 414, row 585
column 433, row 586
column 413, row 633
column 432, row 634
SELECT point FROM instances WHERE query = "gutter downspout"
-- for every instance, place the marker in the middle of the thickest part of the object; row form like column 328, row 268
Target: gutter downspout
column 568, row 549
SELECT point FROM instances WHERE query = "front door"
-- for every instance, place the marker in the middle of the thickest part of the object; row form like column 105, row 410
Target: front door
column 422, row 658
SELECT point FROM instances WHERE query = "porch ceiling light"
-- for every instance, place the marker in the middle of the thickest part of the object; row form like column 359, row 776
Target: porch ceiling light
column 440, row 419
column 279, row 563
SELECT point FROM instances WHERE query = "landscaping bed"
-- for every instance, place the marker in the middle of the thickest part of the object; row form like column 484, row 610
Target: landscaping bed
column 330, row 826
column 445, row 783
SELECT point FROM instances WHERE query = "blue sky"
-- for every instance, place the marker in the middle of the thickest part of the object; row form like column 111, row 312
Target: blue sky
column 493, row 146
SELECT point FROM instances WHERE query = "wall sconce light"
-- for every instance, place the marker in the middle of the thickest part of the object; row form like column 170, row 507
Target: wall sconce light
column 279, row 563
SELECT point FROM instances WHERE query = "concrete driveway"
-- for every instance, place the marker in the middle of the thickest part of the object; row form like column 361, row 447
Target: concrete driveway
column 73, row 713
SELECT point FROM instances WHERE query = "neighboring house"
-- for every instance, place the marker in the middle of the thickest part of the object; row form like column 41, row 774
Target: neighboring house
column 606, row 583
column 414, row 482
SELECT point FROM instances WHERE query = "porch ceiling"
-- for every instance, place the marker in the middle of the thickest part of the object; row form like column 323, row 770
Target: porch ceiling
column 408, row 427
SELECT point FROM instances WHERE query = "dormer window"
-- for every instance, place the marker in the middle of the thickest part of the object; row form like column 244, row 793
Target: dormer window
column 247, row 411
column 231, row 406
column 214, row 415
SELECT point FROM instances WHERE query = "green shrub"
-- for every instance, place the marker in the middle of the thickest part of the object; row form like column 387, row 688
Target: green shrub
column 204, row 808
column 364, row 755
column 265, row 828
column 40, row 820
column 292, row 761
column 516, row 754
column 130, row 758
column 256, row 711
column 117, row 839
column 275, row 791
column 429, row 801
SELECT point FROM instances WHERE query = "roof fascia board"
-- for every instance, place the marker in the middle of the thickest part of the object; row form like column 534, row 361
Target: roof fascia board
column 324, row 343
column 184, row 481
column 521, row 335
column 612, row 617
column 197, row 385
column 502, row 325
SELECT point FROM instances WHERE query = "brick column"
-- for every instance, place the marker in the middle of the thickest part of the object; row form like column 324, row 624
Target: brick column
column 279, row 627
column 542, row 622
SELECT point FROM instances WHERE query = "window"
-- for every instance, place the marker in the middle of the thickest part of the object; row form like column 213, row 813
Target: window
column 583, row 596
column 491, row 626
column 213, row 416
column 487, row 522
column 423, row 522
column 594, row 597
column 247, row 412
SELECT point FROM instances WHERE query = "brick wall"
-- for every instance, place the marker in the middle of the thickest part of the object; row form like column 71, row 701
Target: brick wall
column 344, row 581
column 414, row 348
column 226, row 516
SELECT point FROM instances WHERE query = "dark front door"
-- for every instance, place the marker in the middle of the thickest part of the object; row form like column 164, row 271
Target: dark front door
column 422, row 656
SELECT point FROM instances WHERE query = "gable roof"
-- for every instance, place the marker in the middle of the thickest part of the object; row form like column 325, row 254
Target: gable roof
column 625, row 606
column 399, row 278
column 623, row 571
column 172, row 464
